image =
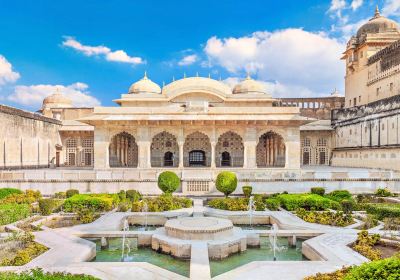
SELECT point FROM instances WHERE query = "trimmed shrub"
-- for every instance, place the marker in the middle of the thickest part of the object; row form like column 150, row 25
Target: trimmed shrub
column 168, row 181
column 60, row 195
column 338, row 219
column 259, row 202
column 86, row 215
column 273, row 204
column 30, row 196
column 383, row 192
column 364, row 245
column 336, row 275
column 230, row 204
column 226, row 182
column 49, row 205
column 383, row 210
column 347, row 206
column 164, row 202
column 38, row 274
column 71, row 192
column 339, row 195
column 133, row 195
column 292, row 202
column 122, row 195
column 4, row 192
column 10, row 213
column 318, row 190
column 25, row 255
column 97, row 202
column 247, row 190
column 387, row 269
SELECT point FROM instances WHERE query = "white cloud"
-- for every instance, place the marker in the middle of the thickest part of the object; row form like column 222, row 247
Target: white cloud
column 337, row 5
column 391, row 8
column 355, row 4
column 188, row 60
column 32, row 96
column 7, row 75
column 109, row 55
column 299, row 60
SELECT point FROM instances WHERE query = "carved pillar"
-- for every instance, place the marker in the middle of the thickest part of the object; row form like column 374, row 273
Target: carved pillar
column 213, row 165
column 180, row 144
column 250, row 148
column 144, row 146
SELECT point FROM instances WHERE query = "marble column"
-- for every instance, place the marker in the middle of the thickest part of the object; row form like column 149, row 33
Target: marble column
column 250, row 148
column 100, row 149
column 213, row 165
column 180, row 144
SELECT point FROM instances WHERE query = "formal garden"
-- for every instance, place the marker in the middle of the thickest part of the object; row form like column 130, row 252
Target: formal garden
column 374, row 218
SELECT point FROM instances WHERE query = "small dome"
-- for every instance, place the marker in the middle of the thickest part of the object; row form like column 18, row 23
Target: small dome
column 378, row 24
column 249, row 86
column 336, row 93
column 57, row 100
column 145, row 85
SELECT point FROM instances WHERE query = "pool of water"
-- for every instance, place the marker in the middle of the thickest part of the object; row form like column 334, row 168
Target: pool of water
column 264, row 253
column 113, row 254
column 143, row 228
column 255, row 227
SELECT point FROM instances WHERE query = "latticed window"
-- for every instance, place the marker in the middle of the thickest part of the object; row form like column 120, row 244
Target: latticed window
column 70, row 154
column 87, row 145
column 321, row 142
column 306, row 142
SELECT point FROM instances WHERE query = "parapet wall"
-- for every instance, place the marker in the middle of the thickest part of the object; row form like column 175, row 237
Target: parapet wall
column 199, row 182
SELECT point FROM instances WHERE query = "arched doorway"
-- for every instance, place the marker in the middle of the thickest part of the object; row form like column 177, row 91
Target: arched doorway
column 229, row 150
column 197, row 150
column 226, row 159
column 271, row 150
column 164, row 150
column 168, row 159
column 123, row 151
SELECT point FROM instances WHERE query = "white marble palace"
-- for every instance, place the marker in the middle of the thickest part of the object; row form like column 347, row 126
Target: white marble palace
column 199, row 125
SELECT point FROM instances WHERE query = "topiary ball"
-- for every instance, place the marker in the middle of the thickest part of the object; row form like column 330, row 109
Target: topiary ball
column 168, row 182
column 226, row 182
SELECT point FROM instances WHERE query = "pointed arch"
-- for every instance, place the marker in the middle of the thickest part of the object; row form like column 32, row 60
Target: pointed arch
column 197, row 150
column 271, row 150
column 164, row 150
column 229, row 150
column 123, row 151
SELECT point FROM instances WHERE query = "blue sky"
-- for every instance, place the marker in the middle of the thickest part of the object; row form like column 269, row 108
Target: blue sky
column 93, row 50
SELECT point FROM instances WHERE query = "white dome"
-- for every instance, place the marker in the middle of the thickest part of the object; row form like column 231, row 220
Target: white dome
column 57, row 100
column 249, row 86
column 145, row 85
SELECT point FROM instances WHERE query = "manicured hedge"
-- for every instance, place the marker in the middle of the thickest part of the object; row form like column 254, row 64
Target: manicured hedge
column 7, row 191
column 273, row 204
column 230, row 204
column 71, row 192
column 387, row 269
column 97, row 202
column 12, row 212
column 318, row 190
column 339, row 195
column 226, row 182
column 133, row 195
column 164, row 202
column 49, row 205
column 247, row 190
column 28, row 197
column 38, row 274
column 168, row 181
column 338, row 218
column 293, row 202
column 383, row 210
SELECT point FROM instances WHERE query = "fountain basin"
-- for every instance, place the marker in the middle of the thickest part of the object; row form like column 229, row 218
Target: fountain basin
column 199, row 228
